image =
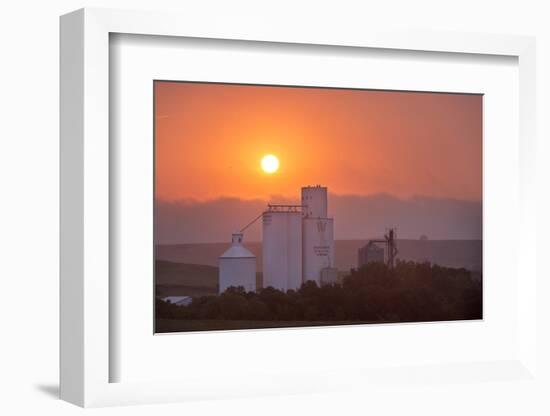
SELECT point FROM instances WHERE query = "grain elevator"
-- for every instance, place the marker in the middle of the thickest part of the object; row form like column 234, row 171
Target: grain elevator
column 297, row 246
column 317, row 234
column 282, row 247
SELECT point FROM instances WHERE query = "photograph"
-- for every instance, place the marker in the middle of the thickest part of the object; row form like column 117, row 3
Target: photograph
column 280, row 206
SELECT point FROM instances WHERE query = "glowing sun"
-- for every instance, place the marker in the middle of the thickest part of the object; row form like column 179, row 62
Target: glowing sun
column 270, row 164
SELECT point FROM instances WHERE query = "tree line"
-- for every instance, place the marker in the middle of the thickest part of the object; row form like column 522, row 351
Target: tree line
column 373, row 293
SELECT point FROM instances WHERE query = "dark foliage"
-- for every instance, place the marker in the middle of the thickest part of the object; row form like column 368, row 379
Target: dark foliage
column 411, row 292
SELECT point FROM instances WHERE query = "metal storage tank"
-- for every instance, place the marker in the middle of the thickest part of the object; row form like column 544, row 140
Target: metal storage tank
column 314, row 200
column 237, row 266
column 318, row 247
column 282, row 247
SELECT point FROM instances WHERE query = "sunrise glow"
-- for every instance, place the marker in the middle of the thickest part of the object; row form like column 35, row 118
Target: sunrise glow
column 210, row 140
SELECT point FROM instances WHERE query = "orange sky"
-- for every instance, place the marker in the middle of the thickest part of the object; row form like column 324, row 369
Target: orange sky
column 210, row 138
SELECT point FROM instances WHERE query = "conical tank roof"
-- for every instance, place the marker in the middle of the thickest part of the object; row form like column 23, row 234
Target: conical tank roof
column 237, row 250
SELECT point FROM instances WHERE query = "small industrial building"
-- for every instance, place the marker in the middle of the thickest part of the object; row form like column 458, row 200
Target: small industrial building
column 178, row 300
column 370, row 253
column 237, row 266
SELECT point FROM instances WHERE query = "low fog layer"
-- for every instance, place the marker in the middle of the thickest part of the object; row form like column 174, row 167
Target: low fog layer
column 355, row 217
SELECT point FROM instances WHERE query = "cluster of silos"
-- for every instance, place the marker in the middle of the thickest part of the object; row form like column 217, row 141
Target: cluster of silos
column 297, row 246
column 298, row 242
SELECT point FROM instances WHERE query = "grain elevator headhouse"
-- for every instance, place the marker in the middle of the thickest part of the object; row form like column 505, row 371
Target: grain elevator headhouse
column 317, row 236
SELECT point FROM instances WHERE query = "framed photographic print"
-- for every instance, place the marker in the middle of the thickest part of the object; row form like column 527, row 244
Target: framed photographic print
column 304, row 211
column 243, row 240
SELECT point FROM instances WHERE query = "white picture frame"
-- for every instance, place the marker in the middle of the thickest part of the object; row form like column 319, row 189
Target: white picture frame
column 85, row 202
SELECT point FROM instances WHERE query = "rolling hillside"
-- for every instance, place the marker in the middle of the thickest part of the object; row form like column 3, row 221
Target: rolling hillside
column 192, row 269
column 173, row 279
column 450, row 253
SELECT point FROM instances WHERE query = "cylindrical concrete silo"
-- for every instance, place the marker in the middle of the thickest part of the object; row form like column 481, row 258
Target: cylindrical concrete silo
column 318, row 247
column 318, row 233
column 237, row 266
column 282, row 248
column 314, row 201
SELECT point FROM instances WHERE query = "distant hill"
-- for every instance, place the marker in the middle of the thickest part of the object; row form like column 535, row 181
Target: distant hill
column 450, row 253
column 173, row 279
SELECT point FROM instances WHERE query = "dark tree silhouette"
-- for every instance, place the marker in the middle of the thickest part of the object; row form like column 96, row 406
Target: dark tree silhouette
column 374, row 293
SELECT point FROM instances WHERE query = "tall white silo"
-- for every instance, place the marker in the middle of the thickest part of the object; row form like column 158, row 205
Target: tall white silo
column 318, row 233
column 318, row 247
column 282, row 248
column 314, row 201
column 237, row 266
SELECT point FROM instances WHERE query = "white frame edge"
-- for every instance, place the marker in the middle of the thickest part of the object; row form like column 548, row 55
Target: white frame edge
column 84, row 176
column 71, row 346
